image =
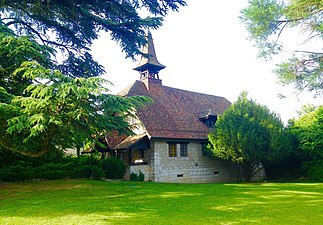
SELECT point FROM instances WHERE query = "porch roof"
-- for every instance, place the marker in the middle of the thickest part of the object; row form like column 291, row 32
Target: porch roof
column 131, row 142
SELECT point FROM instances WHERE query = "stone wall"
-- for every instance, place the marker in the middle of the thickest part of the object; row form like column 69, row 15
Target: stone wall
column 195, row 168
column 145, row 169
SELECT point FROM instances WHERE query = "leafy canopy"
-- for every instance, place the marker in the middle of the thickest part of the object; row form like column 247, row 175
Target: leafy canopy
column 55, row 111
column 58, row 112
column 308, row 131
column 248, row 134
column 70, row 26
column 47, row 105
column 266, row 20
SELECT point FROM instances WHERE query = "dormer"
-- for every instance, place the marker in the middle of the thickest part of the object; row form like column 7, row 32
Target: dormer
column 209, row 118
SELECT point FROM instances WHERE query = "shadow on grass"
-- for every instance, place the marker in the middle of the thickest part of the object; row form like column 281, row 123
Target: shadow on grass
column 99, row 202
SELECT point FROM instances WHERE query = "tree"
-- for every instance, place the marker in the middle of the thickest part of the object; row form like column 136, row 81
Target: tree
column 305, row 109
column 248, row 134
column 308, row 130
column 266, row 20
column 70, row 26
column 46, row 105
column 60, row 113
column 55, row 111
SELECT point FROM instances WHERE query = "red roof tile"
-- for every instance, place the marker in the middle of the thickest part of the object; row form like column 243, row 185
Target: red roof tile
column 175, row 113
column 113, row 138
column 129, row 141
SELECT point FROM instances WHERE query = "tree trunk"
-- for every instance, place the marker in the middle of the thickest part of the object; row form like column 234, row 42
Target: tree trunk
column 239, row 170
column 248, row 171
column 78, row 151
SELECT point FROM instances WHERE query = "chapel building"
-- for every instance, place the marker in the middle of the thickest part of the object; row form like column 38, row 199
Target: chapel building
column 170, row 141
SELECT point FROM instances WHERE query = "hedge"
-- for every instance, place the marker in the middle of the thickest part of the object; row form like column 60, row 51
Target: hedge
column 67, row 167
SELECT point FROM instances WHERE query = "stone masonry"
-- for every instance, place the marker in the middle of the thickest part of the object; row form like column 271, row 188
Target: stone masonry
column 195, row 168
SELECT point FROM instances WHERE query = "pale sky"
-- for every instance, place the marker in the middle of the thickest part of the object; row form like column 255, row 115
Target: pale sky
column 205, row 49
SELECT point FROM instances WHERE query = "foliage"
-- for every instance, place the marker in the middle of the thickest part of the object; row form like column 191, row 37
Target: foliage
column 50, row 171
column 207, row 150
column 287, row 168
column 113, row 168
column 133, row 176
column 141, row 176
column 308, row 130
column 14, row 51
column 49, row 110
column 306, row 109
column 266, row 20
column 17, row 167
column 62, row 112
column 314, row 169
column 98, row 202
column 9, row 158
column 71, row 26
column 48, row 105
column 249, row 134
column 137, row 177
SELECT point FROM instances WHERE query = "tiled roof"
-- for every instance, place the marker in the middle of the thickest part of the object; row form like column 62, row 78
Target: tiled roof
column 130, row 141
column 175, row 113
column 113, row 138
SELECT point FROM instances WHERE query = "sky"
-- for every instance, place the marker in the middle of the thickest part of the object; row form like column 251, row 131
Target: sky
column 205, row 49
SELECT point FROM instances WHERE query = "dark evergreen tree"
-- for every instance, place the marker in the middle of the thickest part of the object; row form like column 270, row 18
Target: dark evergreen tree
column 249, row 134
column 48, row 105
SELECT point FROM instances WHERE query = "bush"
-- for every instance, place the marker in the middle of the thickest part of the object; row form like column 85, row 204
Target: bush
column 93, row 172
column 133, row 177
column 52, row 171
column 113, row 168
column 97, row 173
column 285, row 169
column 21, row 168
column 136, row 177
column 16, row 173
column 141, row 176
column 314, row 169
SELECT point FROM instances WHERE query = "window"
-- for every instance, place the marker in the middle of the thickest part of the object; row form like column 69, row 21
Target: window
column 183, row 150
column 172, row 150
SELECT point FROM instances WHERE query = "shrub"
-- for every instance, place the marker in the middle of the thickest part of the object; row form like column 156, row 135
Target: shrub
column 52, row 171
column 136, row 177
column 286, row 168
column 92, row 172
column 141, row 176
column 315, row 169
column 113, row 168
column 97, row 173
column 133, row 177
column 16, row 173
column 24, row 168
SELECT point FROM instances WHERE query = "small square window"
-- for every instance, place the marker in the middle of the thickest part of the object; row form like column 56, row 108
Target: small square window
column 172, row 150
column 183, row 148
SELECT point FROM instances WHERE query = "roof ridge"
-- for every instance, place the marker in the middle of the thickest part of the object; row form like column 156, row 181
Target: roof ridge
column 126, row 90
column 194, row 92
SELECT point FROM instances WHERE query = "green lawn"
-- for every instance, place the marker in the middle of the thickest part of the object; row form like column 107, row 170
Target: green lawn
column 101, row 202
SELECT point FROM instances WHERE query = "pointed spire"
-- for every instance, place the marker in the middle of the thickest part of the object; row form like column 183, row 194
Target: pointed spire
column 149, row 65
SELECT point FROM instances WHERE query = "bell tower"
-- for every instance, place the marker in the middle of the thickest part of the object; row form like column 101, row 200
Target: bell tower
column 149, row 66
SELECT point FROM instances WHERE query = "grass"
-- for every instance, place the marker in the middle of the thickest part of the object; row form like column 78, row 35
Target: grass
column 101, row 202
